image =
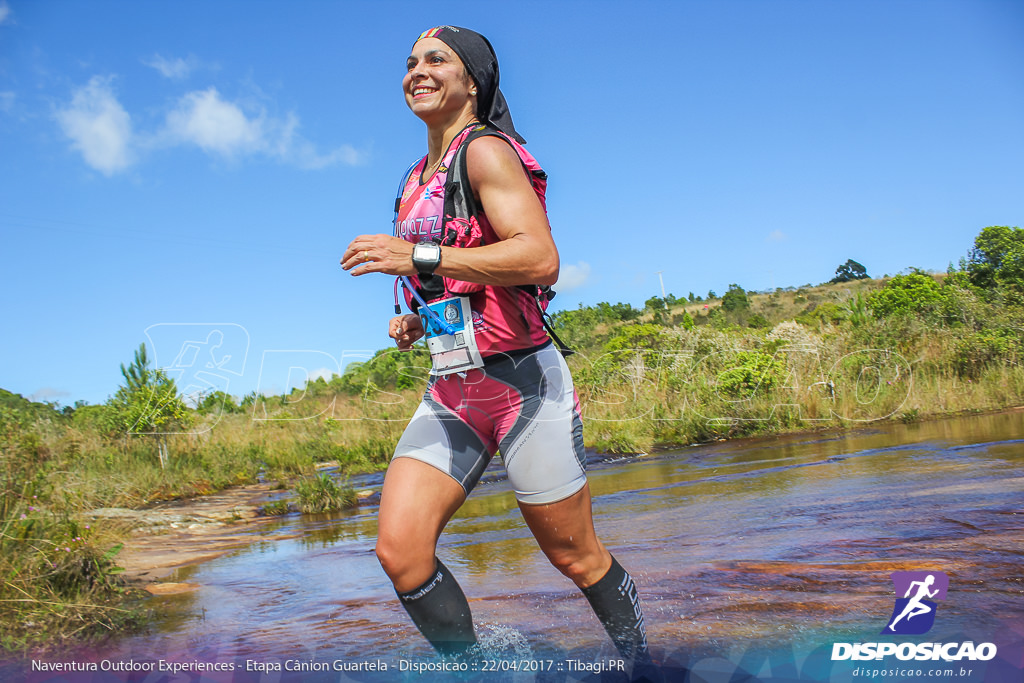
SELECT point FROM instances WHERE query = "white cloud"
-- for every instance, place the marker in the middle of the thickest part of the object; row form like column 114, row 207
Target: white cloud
column 219, row 126
column 205, row 119
column 304, row 155
column 573, row 276
column 99, row 127
column 48, row 394
column 175, row 69
column 295, row 149
column 776, row 236
column 7, row 99
column 5, row 11
column 325, row 374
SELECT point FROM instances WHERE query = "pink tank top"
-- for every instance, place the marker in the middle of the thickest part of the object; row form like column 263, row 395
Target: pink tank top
column 504, row 318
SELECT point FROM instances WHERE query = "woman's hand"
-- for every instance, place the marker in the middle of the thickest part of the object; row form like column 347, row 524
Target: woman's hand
column 378, row 254
column 406, row 330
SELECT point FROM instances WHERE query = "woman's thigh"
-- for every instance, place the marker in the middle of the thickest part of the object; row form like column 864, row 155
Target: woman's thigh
column 543, row 447
column 416, row 502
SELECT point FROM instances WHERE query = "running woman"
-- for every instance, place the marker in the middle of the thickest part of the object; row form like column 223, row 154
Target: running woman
column 497, row 381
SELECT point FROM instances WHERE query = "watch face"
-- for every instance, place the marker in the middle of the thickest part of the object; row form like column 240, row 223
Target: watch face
column 427, row 251
column 426, row 257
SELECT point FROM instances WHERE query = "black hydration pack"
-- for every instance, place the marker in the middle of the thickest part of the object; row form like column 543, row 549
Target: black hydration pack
column 461, row 211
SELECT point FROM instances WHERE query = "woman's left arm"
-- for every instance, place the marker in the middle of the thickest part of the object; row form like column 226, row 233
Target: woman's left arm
column 525, row 253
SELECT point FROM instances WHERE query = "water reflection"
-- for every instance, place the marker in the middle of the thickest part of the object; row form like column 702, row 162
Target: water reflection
column 783, row 541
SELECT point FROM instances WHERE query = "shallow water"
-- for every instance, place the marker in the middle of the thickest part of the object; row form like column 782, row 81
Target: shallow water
column 756, row 554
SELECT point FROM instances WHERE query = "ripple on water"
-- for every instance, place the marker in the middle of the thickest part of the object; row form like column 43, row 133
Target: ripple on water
column 769, row 541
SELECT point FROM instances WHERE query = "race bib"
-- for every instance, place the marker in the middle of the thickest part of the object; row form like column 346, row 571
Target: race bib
column 450, row 337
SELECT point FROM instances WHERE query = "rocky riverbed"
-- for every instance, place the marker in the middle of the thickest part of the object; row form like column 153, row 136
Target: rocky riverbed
column 181, row 533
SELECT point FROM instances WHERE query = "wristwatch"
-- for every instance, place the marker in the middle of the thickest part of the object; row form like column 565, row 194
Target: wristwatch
column 426, row 257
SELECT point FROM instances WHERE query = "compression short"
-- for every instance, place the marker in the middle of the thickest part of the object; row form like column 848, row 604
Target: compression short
column 523, row 406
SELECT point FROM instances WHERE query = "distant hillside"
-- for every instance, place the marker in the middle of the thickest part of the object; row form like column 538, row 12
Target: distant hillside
column 19, row 404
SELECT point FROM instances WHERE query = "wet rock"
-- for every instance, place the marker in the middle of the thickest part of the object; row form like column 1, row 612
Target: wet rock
column 170, row 588
column 368, row 497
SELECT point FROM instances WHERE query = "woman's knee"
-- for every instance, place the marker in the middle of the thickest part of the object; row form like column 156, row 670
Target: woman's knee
column 578, row 565
column 404, row 562
column 391, row 557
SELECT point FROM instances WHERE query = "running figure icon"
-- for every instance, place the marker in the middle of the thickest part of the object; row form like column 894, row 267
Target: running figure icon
column 919, row 589
column 915, row 607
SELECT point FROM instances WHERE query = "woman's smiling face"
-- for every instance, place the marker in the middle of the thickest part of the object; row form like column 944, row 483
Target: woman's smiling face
column 436, row 82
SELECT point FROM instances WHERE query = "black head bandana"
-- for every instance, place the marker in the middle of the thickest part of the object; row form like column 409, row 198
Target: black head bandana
column 476, row 53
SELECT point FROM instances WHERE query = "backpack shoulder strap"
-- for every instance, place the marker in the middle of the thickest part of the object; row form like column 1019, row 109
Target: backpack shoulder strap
column 459, row 201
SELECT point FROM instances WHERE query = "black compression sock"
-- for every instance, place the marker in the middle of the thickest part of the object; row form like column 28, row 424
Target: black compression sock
column 441, row 613
column 617, row 605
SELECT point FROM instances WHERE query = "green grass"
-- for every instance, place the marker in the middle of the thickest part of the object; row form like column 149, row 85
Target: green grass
column 646, row 380
column 275, row 508
column 321, row 493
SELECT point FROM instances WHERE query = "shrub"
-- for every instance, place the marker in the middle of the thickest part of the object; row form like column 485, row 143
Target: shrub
column 735, row 299
column 908, row 294
column 684, row 321
column 758, row 322
column 751, row 371
column 976, row 351
column 997, row 258
column 59, row 575
column 856, row 310
column 322, row 494
column 637, row 336
column 826, row 312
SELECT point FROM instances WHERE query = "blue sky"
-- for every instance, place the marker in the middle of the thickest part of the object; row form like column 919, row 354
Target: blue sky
column 174, row 170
